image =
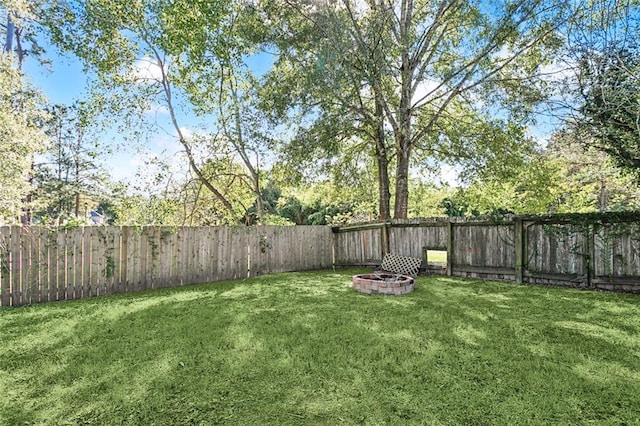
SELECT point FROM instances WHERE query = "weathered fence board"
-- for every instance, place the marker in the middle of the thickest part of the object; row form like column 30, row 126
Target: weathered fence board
column 187, row 252
column 5, row 266
column 484, row 246
column 25, row 265
column 360, row 247
column 555, row 249
column 165, row 253
column 72, row 251
column 38, row 264
column 617, row 251
column 125, row 256
column 95, row 257
column 274, row 250
column 152, row 258
column 83, row 274
column 58, row 262
column 135, row 256
column 16, row 265
column 115, row 262
column 48, row 273
column 410, row 240
column 584, row 251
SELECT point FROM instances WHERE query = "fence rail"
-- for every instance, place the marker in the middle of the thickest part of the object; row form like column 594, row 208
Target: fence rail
column 591, row 251
column 40, row 265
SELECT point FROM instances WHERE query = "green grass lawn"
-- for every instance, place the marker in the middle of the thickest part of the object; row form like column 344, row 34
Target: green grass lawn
column 304, row 348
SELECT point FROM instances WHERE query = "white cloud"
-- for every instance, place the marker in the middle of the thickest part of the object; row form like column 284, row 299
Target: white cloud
column 168, row 145
column 449, row 175
column 425, row 90
column 187, row 133
column 123, row 166
column 157, row 110
column 557, row 71
column 147, row 70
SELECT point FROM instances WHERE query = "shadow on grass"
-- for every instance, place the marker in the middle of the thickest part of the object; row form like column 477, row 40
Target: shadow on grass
column 306, row 348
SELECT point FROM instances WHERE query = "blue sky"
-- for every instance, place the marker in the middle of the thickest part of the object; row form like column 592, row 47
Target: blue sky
column 65, row 81
column 63, row 84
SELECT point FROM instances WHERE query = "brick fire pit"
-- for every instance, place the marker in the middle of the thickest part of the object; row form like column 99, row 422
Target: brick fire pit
column 381, row 283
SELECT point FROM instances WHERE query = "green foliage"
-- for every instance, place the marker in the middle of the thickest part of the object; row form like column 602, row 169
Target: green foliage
column 162, row 53
column 328, row 202
column 590, row 181
column 533, row 187
column 611, row 105
column 354, row 75
column 305, row 348
column 298, row 213
column 480, row 145
column 21, row 137
column 456, row 206
column 70, row 175
column 581, row 221
column 272, row 219
column 604, row 107
column 564, row 178
column 169, row 200
column 427, row 200
column 152, row 210
column 109, row 267
column 357, row 96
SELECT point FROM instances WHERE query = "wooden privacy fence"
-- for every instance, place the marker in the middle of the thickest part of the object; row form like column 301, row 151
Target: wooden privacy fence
column 593, row 251
column 38, row 264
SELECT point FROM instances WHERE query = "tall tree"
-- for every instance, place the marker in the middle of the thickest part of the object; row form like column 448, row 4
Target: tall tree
column 20, row 138
column 601, row 84
column 400, row 67
column 589, row 179
column 186, row 51
column 70, row 173
column 19, row 37
column 610, row 110
column 21, row 115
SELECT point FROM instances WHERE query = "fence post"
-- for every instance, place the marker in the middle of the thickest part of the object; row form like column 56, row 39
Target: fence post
column 385, row 238
column 334, row 245
column 519, row 245
column 450, row 247
column 590, row 257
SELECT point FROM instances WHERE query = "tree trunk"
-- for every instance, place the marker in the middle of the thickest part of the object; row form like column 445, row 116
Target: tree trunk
column 166, row 87
column 403, row 142
column 77, row 207
column 602, row 196
column 8, row 43
column 384, row 194
column 239, row 143
column 402, row 184
column 259, row 203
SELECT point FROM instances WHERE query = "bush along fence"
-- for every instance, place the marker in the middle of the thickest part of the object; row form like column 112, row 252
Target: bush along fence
column 597, row 251
column 38, row 264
